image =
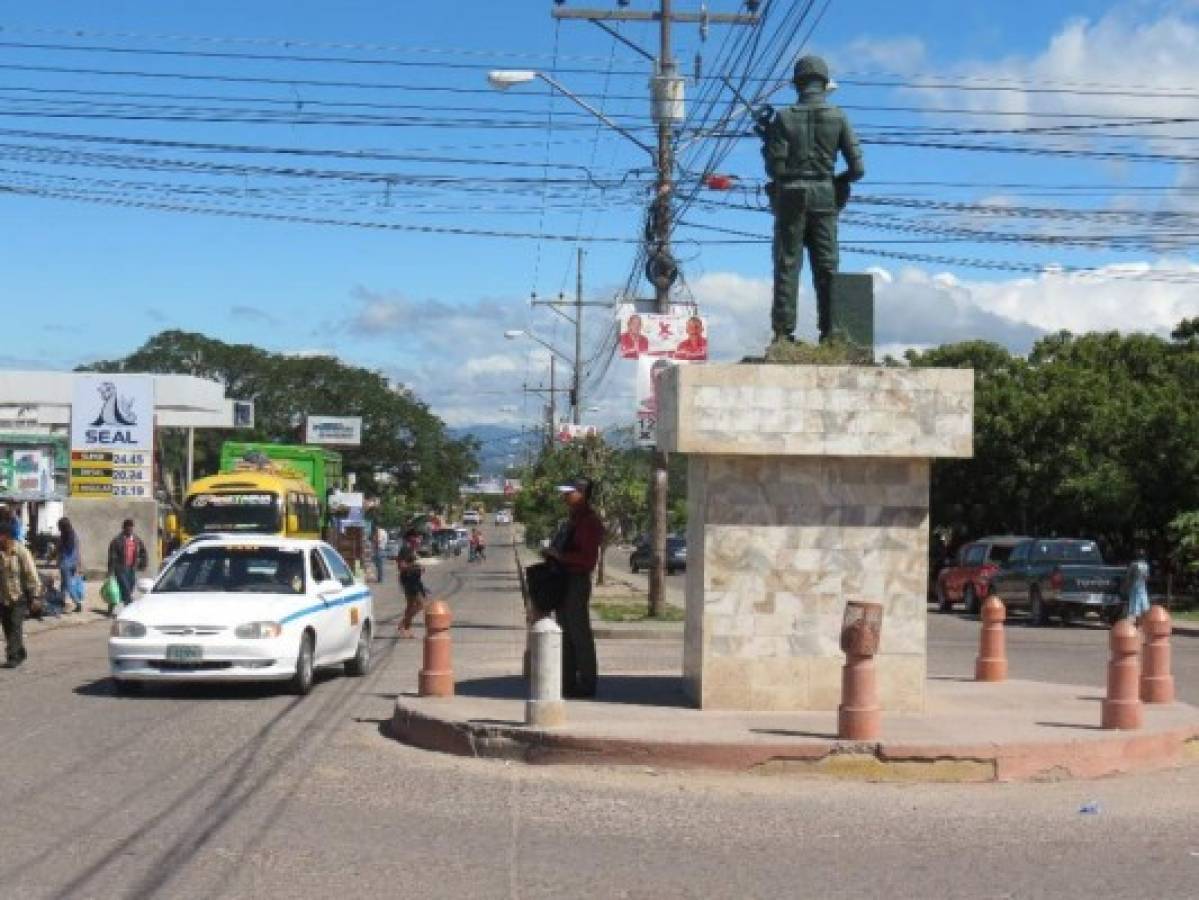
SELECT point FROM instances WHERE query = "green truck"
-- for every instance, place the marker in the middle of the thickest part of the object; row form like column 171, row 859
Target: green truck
column 319, row 467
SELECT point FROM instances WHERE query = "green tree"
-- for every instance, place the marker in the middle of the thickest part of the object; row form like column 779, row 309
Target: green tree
column 405, row 448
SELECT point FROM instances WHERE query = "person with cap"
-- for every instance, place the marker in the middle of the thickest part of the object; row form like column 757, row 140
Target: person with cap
column 800, row 148
column 19, row 583
column 576, row 548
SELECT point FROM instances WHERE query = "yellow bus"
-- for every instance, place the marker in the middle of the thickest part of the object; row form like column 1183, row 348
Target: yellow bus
column 270, row 500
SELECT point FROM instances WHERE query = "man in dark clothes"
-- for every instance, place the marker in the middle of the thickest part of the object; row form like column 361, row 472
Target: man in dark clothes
column 576, row 548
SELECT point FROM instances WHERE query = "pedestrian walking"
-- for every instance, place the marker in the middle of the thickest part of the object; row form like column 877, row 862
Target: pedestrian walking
column 70, row 580
column 126, row 557
column 1136, row 587
column 411, row 582
column 576, row 548
column 378, row 546
column 19, row 585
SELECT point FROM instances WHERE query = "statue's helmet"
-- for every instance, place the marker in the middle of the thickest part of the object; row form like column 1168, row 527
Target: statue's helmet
column 809, row 67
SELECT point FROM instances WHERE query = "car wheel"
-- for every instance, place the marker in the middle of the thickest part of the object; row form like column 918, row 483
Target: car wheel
column 944, row 604
column 1038, row 612
column 360, row 663
column 127, row 688
column 301, row 682
column 970, row 600
column 1069, row 615
column 1112, row 614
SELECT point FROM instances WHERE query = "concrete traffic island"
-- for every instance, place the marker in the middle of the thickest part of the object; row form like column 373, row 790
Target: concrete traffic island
column 969, row 732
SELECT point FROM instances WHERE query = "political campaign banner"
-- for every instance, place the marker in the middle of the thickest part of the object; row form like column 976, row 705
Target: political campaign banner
column 678, row 335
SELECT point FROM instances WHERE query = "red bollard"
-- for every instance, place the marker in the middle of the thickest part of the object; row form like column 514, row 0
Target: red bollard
column 1157, row 684
column 1122, row 708
column 859, row 717
column 437, row 675
column 991, row 664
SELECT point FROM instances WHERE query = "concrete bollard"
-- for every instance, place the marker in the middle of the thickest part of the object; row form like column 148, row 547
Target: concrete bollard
column 437, row 674
column 991, row 664
column 1122, row 708
column 545, row 707
column 859, row 717
column 1157, row 684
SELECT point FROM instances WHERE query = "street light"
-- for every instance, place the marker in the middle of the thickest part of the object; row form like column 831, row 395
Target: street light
column 576, row 364
column 502, row 79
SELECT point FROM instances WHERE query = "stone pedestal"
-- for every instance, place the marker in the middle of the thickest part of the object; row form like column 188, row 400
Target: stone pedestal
column 808, row 488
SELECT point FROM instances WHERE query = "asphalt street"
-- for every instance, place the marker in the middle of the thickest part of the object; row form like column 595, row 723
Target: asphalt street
column 246, row 792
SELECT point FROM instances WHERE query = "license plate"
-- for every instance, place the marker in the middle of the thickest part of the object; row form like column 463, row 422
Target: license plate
column 185, row 653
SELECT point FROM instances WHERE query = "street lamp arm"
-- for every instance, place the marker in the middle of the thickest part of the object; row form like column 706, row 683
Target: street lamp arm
column 595, row 112
column 513, row 335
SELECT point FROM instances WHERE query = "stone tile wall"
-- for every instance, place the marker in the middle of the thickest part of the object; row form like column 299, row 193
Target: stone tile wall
column 817, row 411
column 778, row 545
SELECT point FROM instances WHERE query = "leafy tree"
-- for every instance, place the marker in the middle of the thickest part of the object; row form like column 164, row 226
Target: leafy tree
column 405, row 448
column 1093, row 435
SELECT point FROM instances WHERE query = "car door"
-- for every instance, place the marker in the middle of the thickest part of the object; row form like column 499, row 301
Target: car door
column 955, row 577
column 1008, row 582
column 346, row 608
column 324, row 618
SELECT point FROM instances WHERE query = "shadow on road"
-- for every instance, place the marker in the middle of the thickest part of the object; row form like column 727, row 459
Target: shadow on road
column 639, row 690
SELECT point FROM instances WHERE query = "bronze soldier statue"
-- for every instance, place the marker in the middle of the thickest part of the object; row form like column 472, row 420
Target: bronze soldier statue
column 800, row 148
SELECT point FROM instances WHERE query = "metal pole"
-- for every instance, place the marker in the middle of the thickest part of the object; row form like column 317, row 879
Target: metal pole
column 191, row 457
column 577, row 397
column 659, row 478
column 553, row 404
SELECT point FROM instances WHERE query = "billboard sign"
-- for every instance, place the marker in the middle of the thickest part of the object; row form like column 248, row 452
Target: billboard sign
column 341, row 430
column 677, row 335
column 567, row 432
column 649, row 373
column 112, row 436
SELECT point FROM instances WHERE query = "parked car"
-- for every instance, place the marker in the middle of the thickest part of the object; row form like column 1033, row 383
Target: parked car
column 1059, row 575
column 503, row 517
column 966, row 578
column 676, row 556
column 244, row 608
column 472, row 517
column 446, row 542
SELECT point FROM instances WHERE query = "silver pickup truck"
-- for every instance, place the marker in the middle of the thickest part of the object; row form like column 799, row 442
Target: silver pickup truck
column 1059, row 575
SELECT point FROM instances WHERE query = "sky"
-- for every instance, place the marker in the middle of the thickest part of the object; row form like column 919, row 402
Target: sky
column 339, row 178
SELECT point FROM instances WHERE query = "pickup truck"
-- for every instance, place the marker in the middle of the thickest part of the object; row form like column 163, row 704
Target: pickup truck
column 1059, row 575
column 966, row 579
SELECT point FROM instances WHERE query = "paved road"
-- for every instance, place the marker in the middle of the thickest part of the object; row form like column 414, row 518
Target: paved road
column 246, row 793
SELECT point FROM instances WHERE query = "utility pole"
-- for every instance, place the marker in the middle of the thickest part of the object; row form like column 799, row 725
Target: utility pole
column 576, row 322
column 576, row 396
column 661, row 267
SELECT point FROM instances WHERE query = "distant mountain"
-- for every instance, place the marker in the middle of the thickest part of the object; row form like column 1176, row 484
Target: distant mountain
column 496, row 444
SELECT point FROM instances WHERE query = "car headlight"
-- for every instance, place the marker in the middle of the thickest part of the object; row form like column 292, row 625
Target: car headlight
column 125, row 628
column 258, row 630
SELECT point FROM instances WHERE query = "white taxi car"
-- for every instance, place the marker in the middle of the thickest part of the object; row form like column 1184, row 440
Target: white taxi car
column 244, row 609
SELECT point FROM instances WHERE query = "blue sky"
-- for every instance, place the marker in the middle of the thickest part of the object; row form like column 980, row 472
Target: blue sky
column 90, row 276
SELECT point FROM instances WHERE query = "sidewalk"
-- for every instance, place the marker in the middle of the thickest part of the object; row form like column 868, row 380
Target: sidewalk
column 94, row 610
column 1014, row 731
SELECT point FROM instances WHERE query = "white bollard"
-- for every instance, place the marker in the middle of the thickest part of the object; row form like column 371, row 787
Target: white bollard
column 544, row 706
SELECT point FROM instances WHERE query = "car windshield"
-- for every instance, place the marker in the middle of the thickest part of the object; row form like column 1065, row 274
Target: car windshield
column 235, row 570
column 1000, row 554
column 254, row 512
column 1068, row 551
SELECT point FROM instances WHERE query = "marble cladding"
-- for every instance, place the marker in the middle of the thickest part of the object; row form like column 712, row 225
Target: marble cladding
column 778, row 545
column 791, row 410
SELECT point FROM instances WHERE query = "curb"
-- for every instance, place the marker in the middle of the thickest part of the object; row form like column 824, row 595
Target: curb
column 604, row 631
column 1122, row 753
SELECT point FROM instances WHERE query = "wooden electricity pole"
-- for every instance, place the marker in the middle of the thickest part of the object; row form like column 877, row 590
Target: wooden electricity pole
column 662, row 269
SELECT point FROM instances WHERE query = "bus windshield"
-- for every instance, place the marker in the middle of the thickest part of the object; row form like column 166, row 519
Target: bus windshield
column 258, row 512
